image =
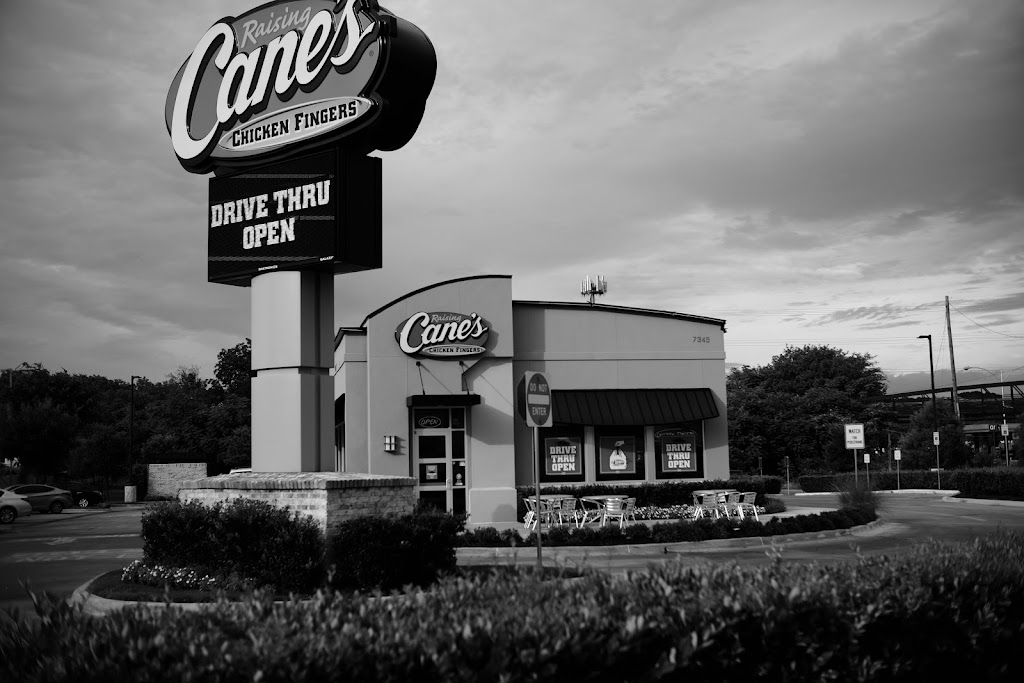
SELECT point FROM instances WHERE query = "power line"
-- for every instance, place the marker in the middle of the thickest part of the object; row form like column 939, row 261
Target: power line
column 1002, row 334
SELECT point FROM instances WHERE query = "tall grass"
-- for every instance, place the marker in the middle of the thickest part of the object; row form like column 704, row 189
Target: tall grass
column 858, row 496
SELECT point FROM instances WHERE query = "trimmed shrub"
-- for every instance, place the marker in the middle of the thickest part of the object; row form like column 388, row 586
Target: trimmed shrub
column 244, row 538
column 935, row 612
column 987, row 482
column 387, row 553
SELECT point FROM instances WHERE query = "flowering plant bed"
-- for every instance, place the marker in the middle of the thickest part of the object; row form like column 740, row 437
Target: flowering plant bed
column 135, row 583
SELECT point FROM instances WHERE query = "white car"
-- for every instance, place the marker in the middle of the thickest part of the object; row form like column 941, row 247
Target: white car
column 13, row 506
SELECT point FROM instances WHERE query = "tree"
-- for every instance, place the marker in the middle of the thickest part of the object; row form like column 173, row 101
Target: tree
column 234, row 369
column 796, row 406
column 918, row 446
column 40, row 436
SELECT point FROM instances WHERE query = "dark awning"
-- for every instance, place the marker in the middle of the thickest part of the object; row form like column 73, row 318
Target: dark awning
column 435, row 400
column 604, row 407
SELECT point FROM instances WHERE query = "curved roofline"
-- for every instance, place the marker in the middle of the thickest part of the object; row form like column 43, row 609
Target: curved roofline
column 625, row 309
column 433, row 286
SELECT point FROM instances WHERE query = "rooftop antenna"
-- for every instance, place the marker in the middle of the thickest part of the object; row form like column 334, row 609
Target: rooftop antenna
column 591, row 288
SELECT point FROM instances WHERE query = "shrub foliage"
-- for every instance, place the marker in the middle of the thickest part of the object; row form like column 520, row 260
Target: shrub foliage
column 934, row 612
column 996, row 482
column 384, row 553
column 245, row 538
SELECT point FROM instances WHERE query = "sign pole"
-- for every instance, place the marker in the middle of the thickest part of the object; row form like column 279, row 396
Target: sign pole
column 856, row 480
column 536, row 483
column 898, row 455
column 534, row 403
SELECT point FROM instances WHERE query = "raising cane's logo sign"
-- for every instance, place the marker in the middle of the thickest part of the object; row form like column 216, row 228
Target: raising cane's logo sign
column 443, row 334
column 291, row 75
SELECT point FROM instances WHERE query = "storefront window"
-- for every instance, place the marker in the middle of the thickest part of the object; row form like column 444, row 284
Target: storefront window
column 431, row 418
column 679, row 452
column 620, row 452
column 561, row 455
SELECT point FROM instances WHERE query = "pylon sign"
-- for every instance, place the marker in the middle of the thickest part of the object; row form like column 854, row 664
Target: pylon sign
column 535, row 400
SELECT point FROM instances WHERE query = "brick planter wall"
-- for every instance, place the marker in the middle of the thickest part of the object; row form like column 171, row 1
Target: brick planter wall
column 164, row 480
column 328, row 497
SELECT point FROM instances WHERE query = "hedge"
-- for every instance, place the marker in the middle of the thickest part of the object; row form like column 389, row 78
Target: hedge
column 243, row 538
column 384, row 553
column 681, row 531
column 660, row 494
column 935, row 612
column 995, row 482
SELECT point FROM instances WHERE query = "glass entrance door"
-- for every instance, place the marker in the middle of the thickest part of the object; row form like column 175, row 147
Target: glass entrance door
column 439, row 443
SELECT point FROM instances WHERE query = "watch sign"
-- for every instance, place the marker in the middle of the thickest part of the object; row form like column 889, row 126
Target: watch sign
column 443, row 335
column 295, row 74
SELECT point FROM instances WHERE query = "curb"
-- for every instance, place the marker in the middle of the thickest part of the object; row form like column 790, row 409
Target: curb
column 942, row 492
column 95, row 606
column 986, row 501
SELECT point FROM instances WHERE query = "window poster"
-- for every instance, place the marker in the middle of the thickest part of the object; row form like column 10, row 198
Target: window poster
column 617, row 455
column 679, row 453
column 563, row 456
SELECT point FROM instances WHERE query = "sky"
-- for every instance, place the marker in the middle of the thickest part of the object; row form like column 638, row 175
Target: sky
column 811, row 172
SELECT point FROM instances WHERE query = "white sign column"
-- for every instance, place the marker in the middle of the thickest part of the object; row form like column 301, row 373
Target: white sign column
column 292, row 357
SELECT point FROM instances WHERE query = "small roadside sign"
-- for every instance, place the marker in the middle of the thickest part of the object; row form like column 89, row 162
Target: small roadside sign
column 897, row 454
column 935, row 438
column 854, row 436
column 1005, row 430
column 867, row 458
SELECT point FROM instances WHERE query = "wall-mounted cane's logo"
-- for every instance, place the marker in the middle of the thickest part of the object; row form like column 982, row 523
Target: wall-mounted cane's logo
column 298, row 74
column 443, row 334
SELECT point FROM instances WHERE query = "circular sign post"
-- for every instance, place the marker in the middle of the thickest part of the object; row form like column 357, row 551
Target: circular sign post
column 535, row 408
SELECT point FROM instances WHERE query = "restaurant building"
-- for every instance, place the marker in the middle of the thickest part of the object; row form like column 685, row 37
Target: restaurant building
column 426, row 387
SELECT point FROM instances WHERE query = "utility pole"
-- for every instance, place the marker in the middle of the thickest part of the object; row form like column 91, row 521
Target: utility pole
column 952, row 363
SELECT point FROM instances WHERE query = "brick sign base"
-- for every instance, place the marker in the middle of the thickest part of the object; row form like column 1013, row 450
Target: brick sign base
column 328, row 497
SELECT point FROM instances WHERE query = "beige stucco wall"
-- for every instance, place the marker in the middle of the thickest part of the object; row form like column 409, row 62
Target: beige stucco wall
column 595, row 348
column 578, row 347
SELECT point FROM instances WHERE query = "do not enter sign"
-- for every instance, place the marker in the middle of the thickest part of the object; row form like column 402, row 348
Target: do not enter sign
column 535, row 400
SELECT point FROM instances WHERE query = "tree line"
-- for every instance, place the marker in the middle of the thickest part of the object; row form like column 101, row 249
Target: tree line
column 794, row 407
column 92, row 427
column 797, row 406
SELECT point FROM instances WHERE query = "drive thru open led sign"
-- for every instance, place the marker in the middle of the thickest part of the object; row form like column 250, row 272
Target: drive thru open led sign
column 318, row 212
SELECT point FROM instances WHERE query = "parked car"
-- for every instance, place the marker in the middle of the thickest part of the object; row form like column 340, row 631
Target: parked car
column 13, row 506
column 82, row 494
column 43, row 497
column 240, row 470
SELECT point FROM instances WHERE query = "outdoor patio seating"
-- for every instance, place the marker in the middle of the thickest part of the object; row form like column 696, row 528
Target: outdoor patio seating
column 746, row 504
column 618, row 508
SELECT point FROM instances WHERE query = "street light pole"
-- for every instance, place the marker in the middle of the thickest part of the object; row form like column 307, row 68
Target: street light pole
column 935, row 412
column 131, row 425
